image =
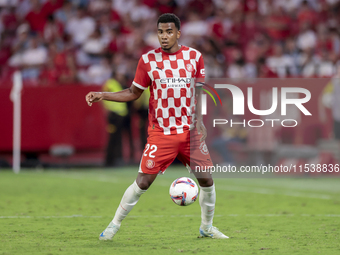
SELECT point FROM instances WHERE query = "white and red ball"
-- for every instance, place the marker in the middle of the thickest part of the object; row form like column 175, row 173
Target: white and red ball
column 183, row 191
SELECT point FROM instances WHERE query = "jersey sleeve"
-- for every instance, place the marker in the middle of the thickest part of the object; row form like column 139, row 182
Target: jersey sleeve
column 142, row 79
column 200, row 73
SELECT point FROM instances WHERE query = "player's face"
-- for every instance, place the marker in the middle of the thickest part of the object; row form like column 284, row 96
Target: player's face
column 168, row 36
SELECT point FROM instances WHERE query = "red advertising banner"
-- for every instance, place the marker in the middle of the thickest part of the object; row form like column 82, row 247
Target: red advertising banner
column 54, row 115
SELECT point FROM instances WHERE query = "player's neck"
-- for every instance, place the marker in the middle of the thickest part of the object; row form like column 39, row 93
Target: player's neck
column 173, row 49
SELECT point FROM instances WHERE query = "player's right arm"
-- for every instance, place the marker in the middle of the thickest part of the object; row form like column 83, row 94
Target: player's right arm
column 139, row 84
column 125, row 95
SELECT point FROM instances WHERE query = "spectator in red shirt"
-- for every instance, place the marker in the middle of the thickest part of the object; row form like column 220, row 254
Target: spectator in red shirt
column 55, row 72
column 58, row 56
column 307, row 14
column 250, row 6
column 249, row 28
column 235, row 33
column 9, row 20
column 220, row 24
column 36, row 17
column 115, row 19
column 277, row 24
column 51, row 6
column 53, row 30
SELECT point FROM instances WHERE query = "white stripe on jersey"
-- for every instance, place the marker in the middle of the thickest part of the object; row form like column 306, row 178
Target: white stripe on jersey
column 138, row 85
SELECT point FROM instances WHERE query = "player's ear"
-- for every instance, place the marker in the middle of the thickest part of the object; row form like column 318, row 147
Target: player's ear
column 178, row 34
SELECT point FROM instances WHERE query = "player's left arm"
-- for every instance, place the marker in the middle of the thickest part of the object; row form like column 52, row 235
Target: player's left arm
column 199, row 124
column 200, row 75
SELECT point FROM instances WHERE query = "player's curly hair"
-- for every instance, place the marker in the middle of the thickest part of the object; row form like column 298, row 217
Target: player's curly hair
column 169, row 18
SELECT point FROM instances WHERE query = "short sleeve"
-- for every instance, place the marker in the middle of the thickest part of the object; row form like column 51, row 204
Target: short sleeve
column 200, row 73
column 142, row 79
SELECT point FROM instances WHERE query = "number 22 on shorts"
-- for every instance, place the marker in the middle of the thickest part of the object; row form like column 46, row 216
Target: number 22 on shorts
column 153, row 149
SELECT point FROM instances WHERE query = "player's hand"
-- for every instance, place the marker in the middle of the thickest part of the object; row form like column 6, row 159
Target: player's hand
column 93, row 97
column 201, row 130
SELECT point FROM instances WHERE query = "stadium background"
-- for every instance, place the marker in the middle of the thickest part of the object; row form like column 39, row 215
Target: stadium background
column 62, row 210
column 67, row 48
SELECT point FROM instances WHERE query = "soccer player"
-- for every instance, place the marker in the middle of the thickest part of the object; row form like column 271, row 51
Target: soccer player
column 175, row 129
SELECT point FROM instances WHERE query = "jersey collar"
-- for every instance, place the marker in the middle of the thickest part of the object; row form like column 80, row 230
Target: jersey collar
column 166, row 53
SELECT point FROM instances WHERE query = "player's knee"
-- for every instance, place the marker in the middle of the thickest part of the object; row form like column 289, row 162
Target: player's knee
column 205, row 182
column 144, row 181
column 142, row 184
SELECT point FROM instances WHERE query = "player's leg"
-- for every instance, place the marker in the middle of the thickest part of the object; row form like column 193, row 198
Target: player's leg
column 207, row 197
column 158, row 154
column 197, row 154
column 207, row 200
column 129, row 200
column 132, row 195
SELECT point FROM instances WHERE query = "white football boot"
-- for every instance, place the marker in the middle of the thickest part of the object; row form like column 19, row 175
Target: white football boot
column 109, row 232
column 212, row 232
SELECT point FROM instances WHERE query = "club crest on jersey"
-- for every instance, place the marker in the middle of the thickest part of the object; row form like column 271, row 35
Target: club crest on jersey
column 150, row 163
column 204, row 149
column 189, row 67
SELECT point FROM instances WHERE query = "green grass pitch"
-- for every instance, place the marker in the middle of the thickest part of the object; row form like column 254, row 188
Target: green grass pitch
column 64, row 211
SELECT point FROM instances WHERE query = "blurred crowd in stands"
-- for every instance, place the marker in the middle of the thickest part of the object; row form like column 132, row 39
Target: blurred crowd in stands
column 82, row 41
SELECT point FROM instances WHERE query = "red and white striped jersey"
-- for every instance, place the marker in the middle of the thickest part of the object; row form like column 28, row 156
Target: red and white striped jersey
column 172, row 78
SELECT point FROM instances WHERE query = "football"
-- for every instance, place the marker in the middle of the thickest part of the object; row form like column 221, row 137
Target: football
column 183, row 191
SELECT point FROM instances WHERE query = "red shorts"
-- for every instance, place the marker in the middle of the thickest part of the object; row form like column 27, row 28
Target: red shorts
column 161, row 150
